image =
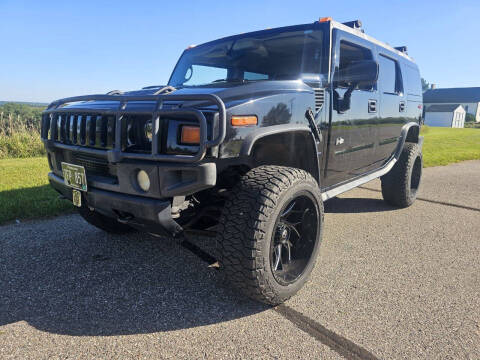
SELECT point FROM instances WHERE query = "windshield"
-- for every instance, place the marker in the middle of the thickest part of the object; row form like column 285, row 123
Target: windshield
column 255, row 57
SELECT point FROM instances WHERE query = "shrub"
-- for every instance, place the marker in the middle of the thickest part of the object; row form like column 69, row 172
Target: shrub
column 21, row 144
column 20, row 131
column 472, row 125
column 469, row 118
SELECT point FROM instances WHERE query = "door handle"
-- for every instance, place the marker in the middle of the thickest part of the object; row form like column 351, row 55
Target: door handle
column 372, row 106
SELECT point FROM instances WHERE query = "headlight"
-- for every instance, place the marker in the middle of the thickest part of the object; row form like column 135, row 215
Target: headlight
column 143, row 180
column 148, row 130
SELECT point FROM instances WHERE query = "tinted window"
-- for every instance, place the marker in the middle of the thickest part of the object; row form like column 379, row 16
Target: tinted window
column 350, row 53
column 412, row 80
column 389, row 76
column 260, row 56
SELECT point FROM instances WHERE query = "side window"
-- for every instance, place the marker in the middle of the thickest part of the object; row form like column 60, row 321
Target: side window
column 412, row 84
column 389, row 77
column 350, row 53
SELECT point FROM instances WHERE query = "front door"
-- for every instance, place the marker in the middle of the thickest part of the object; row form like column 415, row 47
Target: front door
column 352, row 130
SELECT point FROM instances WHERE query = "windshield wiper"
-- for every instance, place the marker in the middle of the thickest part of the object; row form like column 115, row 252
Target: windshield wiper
column 234, row 80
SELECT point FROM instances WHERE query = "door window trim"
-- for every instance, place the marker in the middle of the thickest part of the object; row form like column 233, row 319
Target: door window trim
column 355, row 41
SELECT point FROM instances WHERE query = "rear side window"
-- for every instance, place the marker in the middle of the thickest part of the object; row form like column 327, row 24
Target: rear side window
column 413, row 84
column 389, row 77
column 350, row 53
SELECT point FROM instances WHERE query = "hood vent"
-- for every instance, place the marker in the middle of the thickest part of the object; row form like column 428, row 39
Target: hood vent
column 319, row 98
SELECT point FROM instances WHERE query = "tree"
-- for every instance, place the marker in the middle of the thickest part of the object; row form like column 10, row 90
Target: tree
column 19, row 116
column 425, row 85
column 469, row 118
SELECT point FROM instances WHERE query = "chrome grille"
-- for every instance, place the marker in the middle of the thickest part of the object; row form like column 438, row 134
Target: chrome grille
column 91, row 130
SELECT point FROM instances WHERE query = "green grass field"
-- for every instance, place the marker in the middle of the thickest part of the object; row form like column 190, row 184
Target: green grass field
column 444, row 146
column 25, row 192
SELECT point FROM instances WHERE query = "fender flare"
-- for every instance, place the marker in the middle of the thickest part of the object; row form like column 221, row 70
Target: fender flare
column 256, row 135
column 252, row 138
column 403, row 138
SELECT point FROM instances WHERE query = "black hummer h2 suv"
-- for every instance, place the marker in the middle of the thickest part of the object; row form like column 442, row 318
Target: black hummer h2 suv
column 252, row 133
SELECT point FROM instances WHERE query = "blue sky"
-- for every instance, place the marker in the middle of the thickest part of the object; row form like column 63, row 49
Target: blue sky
column 53, row 49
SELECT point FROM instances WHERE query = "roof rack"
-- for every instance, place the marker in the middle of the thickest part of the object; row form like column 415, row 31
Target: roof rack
column 355, row 24
column 402, row 49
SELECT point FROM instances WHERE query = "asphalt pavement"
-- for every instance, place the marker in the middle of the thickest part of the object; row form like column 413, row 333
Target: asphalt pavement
column 389, row 284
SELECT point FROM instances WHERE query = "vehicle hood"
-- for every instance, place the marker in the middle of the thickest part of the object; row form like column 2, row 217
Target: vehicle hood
column 230, row 95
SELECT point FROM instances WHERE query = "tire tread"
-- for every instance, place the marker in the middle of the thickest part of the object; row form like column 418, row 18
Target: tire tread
column 243, row 228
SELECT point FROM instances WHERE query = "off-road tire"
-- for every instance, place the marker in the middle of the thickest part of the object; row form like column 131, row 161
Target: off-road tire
column 400, row 185
column 246, row 226
column 103, row 222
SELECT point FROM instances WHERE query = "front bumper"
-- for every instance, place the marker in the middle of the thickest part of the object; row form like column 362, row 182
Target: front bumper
column 151, row 215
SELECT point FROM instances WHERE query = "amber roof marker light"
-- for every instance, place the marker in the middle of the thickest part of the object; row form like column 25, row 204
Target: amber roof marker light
column 244, row 120
column 325, row 19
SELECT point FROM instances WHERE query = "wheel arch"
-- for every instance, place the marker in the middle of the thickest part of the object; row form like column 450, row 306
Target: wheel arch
column 410, row 133
column 290, row 145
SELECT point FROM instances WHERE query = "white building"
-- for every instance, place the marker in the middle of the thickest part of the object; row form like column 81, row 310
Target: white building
column 445, row 115
column 469, row 98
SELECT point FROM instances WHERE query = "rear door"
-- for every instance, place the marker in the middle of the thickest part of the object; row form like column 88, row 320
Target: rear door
column 352, row 131
column 393, row 107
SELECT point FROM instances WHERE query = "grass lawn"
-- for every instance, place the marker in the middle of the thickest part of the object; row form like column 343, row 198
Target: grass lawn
column 444, row 146
column 25, row 191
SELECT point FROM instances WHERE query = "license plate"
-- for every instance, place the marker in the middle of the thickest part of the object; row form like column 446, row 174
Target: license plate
column 77, row 198
column 74, row 176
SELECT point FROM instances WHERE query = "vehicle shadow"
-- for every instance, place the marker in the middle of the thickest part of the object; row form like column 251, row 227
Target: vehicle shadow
column 346, row 205
column 63, row 276
column 30, row 202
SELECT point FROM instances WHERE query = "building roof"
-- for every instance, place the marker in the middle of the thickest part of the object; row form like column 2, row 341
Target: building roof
column 452, row 95
column 443, row 108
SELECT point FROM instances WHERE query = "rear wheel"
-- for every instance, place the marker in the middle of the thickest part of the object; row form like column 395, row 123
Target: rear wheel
column 400, row 186
column 103, row 222
column 270, row 232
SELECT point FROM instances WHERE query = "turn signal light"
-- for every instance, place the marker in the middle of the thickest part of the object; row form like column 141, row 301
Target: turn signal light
column 190, row 135
column 244, row 120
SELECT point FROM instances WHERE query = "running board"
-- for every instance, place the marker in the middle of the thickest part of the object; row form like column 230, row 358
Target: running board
column 359, row 181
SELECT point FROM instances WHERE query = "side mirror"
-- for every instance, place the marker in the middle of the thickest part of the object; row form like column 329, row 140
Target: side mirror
column 315, row 81
column 363, row 73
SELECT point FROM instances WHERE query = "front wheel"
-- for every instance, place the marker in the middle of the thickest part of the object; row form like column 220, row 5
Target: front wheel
column 270, row 232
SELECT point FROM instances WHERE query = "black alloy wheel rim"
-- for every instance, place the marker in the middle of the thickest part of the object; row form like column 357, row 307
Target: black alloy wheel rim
column 294, row 238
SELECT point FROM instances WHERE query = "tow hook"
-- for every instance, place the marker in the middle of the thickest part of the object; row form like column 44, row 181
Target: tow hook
column 124, row 218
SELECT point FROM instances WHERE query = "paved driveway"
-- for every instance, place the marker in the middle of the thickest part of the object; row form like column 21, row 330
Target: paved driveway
column 389, row 284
